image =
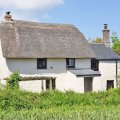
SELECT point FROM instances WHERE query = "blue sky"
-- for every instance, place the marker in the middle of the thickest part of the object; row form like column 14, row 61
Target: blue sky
column 87, row 15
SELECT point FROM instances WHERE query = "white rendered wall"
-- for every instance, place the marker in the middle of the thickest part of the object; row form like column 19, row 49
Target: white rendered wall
column 68, row 81
column 64, row 80
column 108, row 72
column 29, row 66
column 83, row 63
column 118, row 68
column 4, row 71
column 31, row 86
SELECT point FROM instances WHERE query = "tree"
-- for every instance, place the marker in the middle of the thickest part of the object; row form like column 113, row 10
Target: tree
column 13, row 80
column 116, row 43
column 97, row 40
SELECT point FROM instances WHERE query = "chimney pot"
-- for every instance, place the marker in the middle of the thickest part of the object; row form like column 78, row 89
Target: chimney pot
column 105, row 26
column 8, row 17
column 8, row 13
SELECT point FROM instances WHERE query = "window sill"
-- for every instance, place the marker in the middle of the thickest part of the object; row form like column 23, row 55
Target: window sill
column 71, row 68
column 42, row 68
column 94, row 69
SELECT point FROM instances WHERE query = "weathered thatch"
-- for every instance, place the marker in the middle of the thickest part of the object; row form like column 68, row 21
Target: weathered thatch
column 21, row 39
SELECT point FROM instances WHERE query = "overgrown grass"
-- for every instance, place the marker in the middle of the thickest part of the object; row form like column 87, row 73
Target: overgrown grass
column 54, row 105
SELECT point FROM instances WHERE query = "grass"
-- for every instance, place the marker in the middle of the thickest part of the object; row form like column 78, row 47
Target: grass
column 54, row 105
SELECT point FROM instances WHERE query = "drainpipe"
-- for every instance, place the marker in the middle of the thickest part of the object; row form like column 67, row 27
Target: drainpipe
column 116, row 74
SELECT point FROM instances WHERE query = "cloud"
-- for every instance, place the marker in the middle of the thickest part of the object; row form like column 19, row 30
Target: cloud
column 29, row 4
column 32, row 10
column 46, row 16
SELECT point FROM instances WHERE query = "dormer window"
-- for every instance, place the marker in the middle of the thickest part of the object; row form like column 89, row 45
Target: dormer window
column 70, row 63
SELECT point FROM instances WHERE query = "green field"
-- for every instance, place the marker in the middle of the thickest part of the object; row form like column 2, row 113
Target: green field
column 54, row 105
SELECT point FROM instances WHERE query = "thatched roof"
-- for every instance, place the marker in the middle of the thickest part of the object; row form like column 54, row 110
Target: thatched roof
column 23, row 39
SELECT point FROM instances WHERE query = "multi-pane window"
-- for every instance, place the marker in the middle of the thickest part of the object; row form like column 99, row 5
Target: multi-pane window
column 42, row 63
column 110, row 84
column 50, row 84
column 70, row 63
column 94, row 64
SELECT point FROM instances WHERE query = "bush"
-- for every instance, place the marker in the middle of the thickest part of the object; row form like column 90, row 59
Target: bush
column 55, row 105
column 13, row 81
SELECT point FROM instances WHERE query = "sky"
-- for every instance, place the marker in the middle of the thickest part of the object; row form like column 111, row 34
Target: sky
column 87, row 15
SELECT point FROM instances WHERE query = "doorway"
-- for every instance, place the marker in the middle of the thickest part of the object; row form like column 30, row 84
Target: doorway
column 88, row 81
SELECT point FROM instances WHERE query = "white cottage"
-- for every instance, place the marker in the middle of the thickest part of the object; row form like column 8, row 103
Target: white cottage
column 40, row 50
column 106, row 61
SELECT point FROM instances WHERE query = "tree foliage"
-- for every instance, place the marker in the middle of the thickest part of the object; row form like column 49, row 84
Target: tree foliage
column 97, row 40
column 116, row 43
column 13, row 81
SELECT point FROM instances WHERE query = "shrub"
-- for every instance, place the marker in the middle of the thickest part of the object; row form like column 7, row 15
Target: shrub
column 55, row 105
column 13, row 81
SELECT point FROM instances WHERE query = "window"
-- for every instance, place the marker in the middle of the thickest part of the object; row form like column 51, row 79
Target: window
column 94, row 64
column 41, row 63
column 70, row 63
column 50, row 84
column 110, row 84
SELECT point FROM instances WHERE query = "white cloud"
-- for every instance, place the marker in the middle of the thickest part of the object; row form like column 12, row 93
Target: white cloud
column 31, row 10
column 30, row 4
column 46, row 16
column 20, row 16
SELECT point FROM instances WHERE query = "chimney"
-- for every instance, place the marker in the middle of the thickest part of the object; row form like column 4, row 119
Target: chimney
column 106, row 36
column 8, row 17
